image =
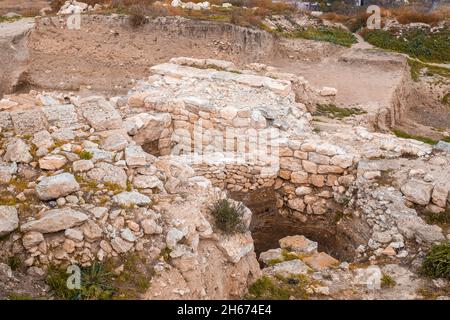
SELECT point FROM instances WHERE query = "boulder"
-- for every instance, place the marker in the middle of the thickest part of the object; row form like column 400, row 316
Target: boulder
column 417, row 191
column 298, row 243
column 9, row 220
column 135, row 156
column 100, row 114
column 57, row 186
column 319, row 261
column 55, row 220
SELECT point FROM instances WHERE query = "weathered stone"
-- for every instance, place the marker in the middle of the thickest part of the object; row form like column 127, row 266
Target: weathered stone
column 440, row 195
column 32, row 239
column 237, row 246
column 43, row 139
column 299, row 177
column 147, row 182
column 6, row 171
column 55, row 220
column 151, row 227
column 9, row 220
column 302, row 191
column 101, row 115
column 120, row 245
column 271, row 255
column 289, row 268
column 296, row 204
column 298, row 243
column 417, row 191
column 108, row 173
column 61, row 116
column 18, row 151
column 135, row 156
column 128, row 199
column 28, row 121
column 91, row 230
column 52, row 162
column 56, row 186
column 319, row 261
column 309, row 166
column 114, row 142
column 74, row 234
column 82, row 165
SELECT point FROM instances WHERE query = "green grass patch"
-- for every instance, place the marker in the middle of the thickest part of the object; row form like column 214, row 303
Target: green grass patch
column 437, row 261
column 334, row 35
column 417, row 43
column 417, row 66
column 405, row 135
column 9, row 19
column 19, row 296
column 331, row 111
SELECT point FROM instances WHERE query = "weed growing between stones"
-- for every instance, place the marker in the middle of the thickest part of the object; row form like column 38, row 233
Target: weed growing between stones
column 228, row 216
column 387, row 281
column 437, row 261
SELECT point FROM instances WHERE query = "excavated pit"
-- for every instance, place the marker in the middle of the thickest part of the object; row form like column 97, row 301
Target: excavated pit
column 268, row 226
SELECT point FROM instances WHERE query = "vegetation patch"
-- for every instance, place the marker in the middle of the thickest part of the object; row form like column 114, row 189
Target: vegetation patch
column 228, row 216
column 446, row 98
column 437, row 261
column 387, row 281
column 333, row 112
column 335, row 35
column 9, row 19
column 441, row 218
column 417, row 43
column 405, row 135
column 279, row 288
column 96, row 283
column 416, row 68
column 85, row 155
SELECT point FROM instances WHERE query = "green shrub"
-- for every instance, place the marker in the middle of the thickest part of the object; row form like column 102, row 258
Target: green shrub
column 228, row 216
column 437, row 261
column 96, row 283
column 387, row 281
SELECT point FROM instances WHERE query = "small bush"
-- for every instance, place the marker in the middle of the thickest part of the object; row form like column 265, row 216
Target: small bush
column 437, row 261
column 228, row 217
column 333, row 112
column 387, row 281
column 96, row 283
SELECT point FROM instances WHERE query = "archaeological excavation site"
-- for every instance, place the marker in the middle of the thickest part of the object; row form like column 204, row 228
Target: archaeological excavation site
column 242, row 150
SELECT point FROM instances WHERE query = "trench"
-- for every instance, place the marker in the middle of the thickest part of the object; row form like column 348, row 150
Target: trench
column 268, row 226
